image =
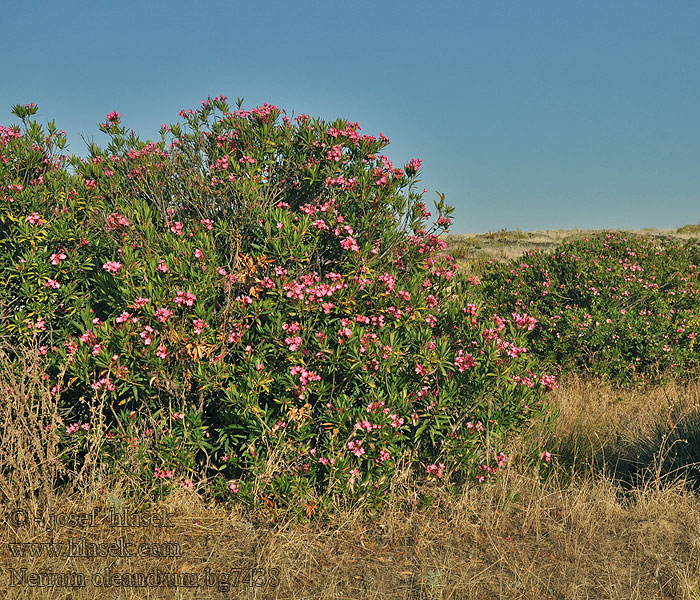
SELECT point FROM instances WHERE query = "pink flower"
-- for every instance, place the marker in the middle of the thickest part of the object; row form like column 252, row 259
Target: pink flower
column 396, row 421
column 162, row 474
column 435, row 470
column 356, row 448
column 177, row 228
column 524, row 321
column 233, row 487
column 123, row 317
column 549, row 382
column 464, row 361
column 546, row 456
column 35, row 218
column 199, row 325
column 115, row 220
column 57, row 258
column 413, row 165
column 162, row 314
column 112, row 266
column 349, row 243
column 52, row 283
column 162, row 267
column 293, row 343
column 185, row 298
column 141, row 302
column 335, row 153
column 161, row 353
column 147, row 335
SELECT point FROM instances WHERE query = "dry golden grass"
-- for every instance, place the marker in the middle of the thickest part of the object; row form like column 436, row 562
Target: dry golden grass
column 576, row 534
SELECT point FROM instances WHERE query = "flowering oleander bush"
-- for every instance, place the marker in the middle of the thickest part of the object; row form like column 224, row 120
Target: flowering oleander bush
column 260, row 306
column 617, row 304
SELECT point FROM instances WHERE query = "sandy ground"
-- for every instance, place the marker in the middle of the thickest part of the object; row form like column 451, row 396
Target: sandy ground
column 504, row 245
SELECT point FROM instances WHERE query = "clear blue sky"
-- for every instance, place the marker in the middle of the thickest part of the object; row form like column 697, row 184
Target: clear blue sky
column 526, row 114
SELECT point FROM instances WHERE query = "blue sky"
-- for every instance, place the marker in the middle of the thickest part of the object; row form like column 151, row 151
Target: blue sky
column 530, row 115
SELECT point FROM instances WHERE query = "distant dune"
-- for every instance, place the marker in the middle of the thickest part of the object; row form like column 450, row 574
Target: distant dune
column 508, row 244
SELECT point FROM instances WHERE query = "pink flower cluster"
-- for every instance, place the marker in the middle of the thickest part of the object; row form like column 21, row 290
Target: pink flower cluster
column 35, row 219
column 115, row 221
column 309, row 289
column 70, row 429
column 524, row 321
column 464, row 361
column 356, row 448
column 436, row 470
column 293, row 341
column 305, row 377
column 103, row 382
column 163, row 314
column 186, row 298
column 162, row 474
column 112, row 266
column 199, row 326
column 148, row 334
column 56, row 258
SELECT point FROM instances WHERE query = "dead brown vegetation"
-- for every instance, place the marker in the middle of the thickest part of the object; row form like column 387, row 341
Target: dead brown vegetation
column 591, row 529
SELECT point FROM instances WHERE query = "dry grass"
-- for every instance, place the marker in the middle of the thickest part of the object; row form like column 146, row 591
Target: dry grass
column 648, row 434
column 576, row 534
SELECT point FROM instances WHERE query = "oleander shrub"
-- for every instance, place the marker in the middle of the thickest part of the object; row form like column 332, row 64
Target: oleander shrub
column 259, row 307
column 617, row 305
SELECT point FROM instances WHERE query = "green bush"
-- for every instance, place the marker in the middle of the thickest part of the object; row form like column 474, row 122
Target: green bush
column 616, row 304
column 258, row 303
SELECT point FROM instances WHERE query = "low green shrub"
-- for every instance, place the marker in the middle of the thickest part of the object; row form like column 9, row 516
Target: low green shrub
column 617, row 305
column 693, row 228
